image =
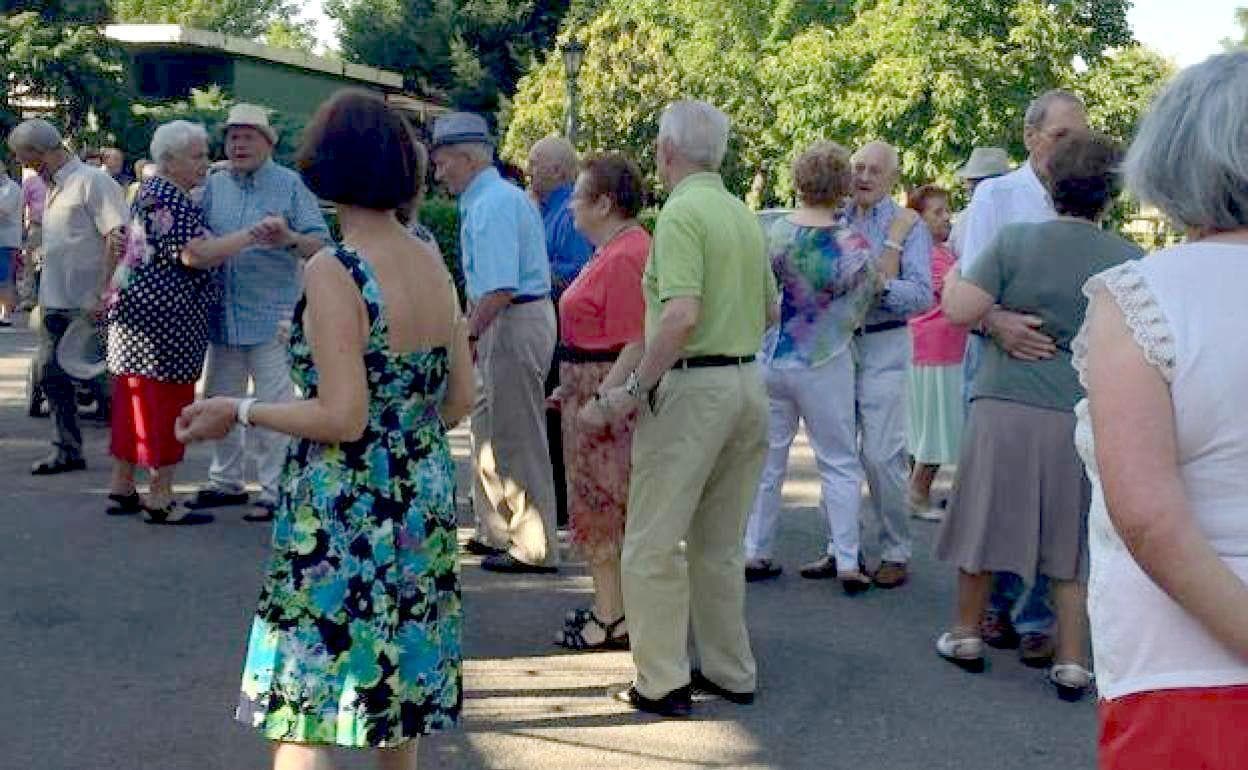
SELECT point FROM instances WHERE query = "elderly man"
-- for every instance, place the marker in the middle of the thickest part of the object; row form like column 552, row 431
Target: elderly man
column 985, row 163
column 701, row 436
column 511, row 324
column 259, row 287
column 882, row 351
column 84, row 218
column 1017, row 197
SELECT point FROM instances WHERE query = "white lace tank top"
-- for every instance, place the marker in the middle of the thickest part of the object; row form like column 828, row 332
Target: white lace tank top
column 1187, row 310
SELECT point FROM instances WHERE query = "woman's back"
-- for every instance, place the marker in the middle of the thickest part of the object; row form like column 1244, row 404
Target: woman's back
column 1040, row 269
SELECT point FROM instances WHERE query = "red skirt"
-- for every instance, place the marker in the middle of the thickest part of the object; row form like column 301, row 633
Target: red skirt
column 1196, row 728
column 144, row 411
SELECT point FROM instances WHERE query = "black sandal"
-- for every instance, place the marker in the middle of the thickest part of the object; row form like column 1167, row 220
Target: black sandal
column 126, row 505
column 573, row 635
column 175, row 514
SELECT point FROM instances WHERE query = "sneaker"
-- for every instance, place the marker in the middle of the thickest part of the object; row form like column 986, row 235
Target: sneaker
column 823, row 568
column 965, row 652
column 1035, row 650
column 996, row 629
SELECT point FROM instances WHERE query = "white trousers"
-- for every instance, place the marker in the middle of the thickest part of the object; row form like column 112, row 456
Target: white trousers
column 230, row 368
column 880, row 396
column 822, row 397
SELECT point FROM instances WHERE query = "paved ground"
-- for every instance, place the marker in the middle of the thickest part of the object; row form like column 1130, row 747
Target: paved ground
column 123, row 644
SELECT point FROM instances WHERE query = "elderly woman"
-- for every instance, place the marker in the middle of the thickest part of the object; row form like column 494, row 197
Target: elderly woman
column 1165, row 437
column 827, row 281
column 158, row 322
column 934, row 398
column 1020, row 499
column 601, row 319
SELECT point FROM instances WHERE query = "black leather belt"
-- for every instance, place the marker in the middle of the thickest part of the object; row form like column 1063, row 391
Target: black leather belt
column 570, row 355
column 702, row 362
column 884, row 326
column 524, row 299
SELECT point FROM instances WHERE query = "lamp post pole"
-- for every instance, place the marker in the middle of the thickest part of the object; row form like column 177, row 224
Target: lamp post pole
column 573, row 53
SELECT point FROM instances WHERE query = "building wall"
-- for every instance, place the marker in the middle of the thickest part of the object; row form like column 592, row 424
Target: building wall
column 291, row 90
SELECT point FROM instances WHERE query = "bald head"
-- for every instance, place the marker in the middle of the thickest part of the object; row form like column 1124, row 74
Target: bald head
column 875, row 166
column 552, row 164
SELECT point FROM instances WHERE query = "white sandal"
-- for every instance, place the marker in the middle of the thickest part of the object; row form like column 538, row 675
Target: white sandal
column 965, row 652
column 1070, row 679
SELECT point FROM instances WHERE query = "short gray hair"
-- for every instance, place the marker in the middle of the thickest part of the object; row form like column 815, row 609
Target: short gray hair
column 1039, row 108
column 1190, row 157
column 697, row 130
column 37, row 135
column 477, row 151
column 173, row 138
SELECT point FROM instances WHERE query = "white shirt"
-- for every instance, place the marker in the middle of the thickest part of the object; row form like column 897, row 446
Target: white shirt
column 1192, row 329
column 83, row 205
column 1017, row 197
column 11, row 204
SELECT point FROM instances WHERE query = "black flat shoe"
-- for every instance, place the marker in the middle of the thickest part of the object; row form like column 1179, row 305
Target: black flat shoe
column 478, row 548
column 211, row 498
column 762, row 569
column 175, row 514
column 58, row 464
column 505, row 562
column 677, row 703
column 262, row 512
column 700, row 683
column 126, row 505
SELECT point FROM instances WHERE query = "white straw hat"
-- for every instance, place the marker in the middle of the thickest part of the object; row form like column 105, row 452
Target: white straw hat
column 252, row 116
column 985, row 162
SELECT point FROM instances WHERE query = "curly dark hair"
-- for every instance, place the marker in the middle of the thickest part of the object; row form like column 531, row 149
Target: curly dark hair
column 1082, row 174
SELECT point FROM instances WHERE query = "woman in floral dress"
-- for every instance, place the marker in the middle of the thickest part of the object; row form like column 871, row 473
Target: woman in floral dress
column 356, row 641
column 601, row 320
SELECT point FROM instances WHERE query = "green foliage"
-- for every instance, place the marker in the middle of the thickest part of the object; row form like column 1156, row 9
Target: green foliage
column 295, row 35
column 69, row 66
column 90, row 11
column 244, row 18
column 1241, row 19
column 1119, row 88
column 209, row 108
column 470, row 51
column 441, row 216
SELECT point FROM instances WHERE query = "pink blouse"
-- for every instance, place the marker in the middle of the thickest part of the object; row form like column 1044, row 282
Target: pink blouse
column 603, row 308
column 937, row 342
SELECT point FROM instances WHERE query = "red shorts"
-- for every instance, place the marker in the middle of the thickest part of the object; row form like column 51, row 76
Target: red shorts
column 144, row 411
column 1197, row 728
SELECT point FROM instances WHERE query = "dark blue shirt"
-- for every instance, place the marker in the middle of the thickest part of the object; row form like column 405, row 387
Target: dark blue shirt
column 568, row 250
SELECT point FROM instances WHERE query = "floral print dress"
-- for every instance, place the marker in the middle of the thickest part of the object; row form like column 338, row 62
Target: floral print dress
column 356, row 641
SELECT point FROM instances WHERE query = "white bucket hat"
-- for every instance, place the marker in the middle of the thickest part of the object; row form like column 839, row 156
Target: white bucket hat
column 252, row 116
column 985, row 162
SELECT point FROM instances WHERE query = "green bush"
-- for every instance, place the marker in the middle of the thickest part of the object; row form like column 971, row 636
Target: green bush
column 441, row 216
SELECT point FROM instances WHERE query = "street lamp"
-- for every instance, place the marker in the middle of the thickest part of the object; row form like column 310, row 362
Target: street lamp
column 573, row 53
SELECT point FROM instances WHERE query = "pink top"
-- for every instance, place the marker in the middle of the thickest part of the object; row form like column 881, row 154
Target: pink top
column 603, row 308
column 34, row 190
column 937, row 342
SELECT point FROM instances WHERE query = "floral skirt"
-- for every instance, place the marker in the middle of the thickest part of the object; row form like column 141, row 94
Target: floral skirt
column 597, row 465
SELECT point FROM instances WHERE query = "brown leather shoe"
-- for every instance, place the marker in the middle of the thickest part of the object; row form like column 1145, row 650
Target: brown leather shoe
column 823, row 568
column 891, row 574
column 1035, row 650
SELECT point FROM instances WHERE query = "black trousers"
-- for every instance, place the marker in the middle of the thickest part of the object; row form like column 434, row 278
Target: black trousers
column 58, row 387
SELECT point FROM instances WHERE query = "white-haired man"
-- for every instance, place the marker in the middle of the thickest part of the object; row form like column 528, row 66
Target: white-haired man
column 903, row 247
column 511, row 325
column 1018, row 197
column 84, row 219
column 701, row 435
column 259, row 288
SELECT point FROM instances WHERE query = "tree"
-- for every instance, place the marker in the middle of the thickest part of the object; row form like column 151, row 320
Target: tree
column 470, row 51
column 1119, row 88
column 295, row 35
column 243, row 18
column 70, row 67
column 1241, row 18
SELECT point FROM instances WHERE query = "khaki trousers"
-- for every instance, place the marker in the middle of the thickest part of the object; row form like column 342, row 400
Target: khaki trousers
column 513, row 494
column 696, row 464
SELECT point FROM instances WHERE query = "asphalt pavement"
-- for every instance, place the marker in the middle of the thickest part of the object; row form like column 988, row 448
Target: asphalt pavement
column 123, row 645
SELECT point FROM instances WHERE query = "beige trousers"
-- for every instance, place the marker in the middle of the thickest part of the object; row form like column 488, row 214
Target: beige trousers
column 696, row 464
column 513, row 494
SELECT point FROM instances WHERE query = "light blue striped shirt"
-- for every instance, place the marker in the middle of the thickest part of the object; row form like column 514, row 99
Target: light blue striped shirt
column 503, row 239
column 259, row 286
column 911, row 291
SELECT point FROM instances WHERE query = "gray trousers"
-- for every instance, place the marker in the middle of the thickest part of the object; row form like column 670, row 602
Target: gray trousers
column 513, row 494
column 58, row 387
column 880, row 397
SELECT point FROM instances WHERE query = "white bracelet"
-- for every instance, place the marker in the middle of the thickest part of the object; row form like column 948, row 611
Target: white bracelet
column 891, row 244
column 243, row 415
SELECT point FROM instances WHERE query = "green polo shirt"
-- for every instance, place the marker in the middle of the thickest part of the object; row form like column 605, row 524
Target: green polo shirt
column 708, row 244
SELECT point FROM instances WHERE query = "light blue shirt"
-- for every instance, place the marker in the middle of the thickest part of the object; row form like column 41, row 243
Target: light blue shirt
column 503, row 239
column 911, row 291
column 259, row 285
column 567, row 248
